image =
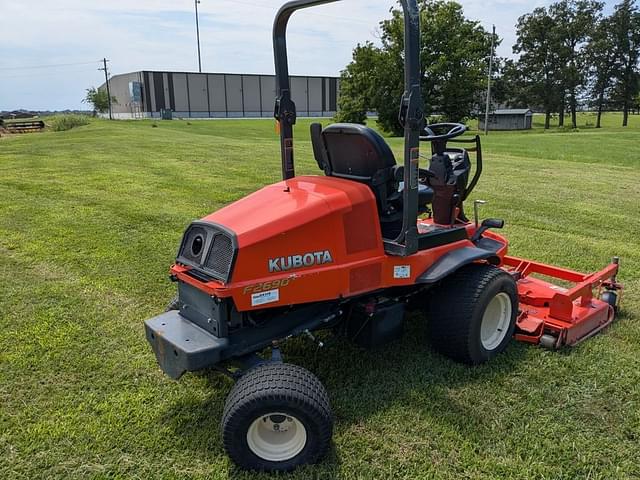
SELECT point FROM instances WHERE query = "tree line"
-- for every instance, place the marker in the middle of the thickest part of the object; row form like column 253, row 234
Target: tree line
column 569, row 56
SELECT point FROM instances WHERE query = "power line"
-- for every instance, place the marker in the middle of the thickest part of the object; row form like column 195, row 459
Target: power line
column 486, row 112
column 49, row 74
column 53, row 65
column 106, row 80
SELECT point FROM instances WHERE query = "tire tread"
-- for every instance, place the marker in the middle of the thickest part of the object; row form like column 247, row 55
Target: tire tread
column 284, row 383
column 452, row 306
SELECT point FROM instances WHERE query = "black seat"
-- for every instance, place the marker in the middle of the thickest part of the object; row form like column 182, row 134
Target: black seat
column 425, row 194
column 356, row 152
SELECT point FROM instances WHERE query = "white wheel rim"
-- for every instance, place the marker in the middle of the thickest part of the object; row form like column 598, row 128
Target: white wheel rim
column 276, row 437
column 495, row 321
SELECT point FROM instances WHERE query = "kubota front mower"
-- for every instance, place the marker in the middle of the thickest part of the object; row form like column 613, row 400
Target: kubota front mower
column 347, row 250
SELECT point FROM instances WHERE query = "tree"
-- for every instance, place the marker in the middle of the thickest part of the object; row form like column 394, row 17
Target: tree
column 507, row 84
column 357, row 85
column 510, row 87
column 454, row 53
column 572, row 22
column 99, row 99
column 454, row 59
column 602, row 64
column 626, row 30
column 540, row 62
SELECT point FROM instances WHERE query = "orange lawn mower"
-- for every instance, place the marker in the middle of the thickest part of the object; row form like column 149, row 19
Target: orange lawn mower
column 350, row 251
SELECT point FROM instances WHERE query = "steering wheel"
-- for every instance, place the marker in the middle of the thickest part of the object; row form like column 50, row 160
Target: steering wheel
column 434, row 132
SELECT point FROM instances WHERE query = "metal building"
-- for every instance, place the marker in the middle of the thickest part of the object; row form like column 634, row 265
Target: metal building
column 508, row 119
column 147, row 94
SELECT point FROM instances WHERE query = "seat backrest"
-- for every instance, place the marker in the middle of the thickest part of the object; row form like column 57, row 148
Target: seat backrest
column 355, row 152
column 319, row 148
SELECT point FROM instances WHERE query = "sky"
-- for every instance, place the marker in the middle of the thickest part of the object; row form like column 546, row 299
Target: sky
column 50, row 50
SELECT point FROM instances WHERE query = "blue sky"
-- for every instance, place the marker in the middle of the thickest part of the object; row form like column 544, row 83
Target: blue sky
column 160, row 35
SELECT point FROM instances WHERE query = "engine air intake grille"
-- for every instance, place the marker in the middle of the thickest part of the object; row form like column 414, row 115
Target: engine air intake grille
column 220, row 255
column 210, row 249
column 194, row 243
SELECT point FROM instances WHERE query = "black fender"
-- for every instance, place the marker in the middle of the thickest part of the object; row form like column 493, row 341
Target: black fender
column 485, row 249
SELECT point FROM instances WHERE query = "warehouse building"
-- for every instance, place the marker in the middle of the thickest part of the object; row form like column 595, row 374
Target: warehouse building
column 508, row 119
column 149, row 94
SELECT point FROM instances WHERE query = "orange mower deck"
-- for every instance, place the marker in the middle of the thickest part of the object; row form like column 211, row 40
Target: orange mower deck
column 553, row 315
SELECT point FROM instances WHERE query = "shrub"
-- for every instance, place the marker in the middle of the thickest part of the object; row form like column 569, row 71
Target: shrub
column 60, row 123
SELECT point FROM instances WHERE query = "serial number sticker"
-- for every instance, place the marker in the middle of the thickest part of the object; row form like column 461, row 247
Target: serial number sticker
column 261, row 298
column 402, row 271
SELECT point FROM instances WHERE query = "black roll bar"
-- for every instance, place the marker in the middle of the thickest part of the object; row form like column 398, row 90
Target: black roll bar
column 285, row 109
column 410, row 116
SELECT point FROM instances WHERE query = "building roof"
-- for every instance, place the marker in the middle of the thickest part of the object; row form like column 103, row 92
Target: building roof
column 179, row 72
column 512, row 111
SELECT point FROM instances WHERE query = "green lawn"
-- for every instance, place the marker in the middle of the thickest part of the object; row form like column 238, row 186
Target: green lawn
column 90, row 220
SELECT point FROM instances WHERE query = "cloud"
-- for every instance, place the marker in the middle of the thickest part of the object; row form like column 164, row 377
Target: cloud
column 160, row 35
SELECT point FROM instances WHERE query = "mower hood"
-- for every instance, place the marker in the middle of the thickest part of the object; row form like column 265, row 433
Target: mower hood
column 304, row 219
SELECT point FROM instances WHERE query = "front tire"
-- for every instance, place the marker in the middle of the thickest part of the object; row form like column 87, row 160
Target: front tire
column 276, row 418
column 473, row 314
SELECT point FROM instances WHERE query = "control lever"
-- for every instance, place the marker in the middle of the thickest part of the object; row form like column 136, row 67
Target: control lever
column 486, row 225
column 455, row 201
column 476, row 210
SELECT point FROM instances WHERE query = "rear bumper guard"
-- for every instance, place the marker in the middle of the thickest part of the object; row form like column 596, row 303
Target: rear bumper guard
column 181, row 346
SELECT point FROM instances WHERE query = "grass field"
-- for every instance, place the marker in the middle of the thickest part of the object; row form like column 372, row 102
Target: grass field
column 90, row 220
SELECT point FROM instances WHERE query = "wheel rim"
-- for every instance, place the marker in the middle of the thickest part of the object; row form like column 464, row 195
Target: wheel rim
column 495, row 321
column 276, row 437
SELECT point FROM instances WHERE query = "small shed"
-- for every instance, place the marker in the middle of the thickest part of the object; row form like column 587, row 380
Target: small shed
column 508, row 119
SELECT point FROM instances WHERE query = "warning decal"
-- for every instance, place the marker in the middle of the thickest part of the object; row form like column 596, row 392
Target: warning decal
column 402, row 271
column 261, row 298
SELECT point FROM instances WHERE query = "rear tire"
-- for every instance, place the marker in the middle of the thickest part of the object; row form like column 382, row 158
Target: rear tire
column 276, row 418
column 473, row 313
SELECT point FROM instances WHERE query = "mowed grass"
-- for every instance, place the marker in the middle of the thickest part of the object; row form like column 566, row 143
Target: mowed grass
column 90, row 220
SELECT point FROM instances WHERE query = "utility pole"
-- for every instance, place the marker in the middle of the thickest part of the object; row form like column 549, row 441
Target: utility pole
column 486, row 112
column 198, row 37
column 106, row 81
